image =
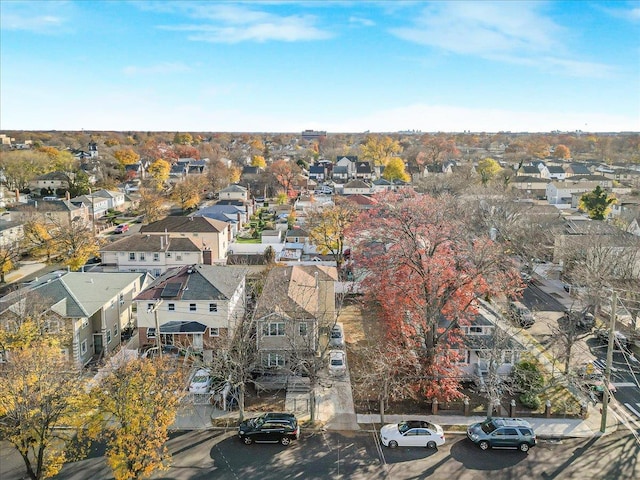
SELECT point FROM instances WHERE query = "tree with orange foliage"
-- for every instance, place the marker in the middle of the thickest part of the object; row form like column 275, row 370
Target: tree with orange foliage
column 436, row 148
column 426, row 271
column 562, row 151
column 284, row 172
column 126, row 156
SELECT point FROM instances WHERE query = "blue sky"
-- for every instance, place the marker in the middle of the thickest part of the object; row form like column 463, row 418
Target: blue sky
column 348, row 66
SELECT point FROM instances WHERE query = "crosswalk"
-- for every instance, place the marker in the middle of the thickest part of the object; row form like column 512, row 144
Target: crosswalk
column 602, row 365
column 634, row 408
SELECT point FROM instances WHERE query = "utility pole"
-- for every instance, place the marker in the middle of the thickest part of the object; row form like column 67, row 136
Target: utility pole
column 607, row 371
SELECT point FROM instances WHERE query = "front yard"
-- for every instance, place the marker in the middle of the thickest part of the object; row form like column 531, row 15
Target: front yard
column 362, row 328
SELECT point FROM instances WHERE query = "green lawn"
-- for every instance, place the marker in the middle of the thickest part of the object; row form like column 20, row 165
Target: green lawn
column 247, row 240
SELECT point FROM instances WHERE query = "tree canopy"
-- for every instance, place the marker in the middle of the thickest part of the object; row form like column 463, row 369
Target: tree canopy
column 597, row 203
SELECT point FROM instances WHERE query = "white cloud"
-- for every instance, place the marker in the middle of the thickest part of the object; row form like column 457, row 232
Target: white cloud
column 161, row 68
column 229, row 23
column 38, row 17
column 365, row 22
column 510, row 32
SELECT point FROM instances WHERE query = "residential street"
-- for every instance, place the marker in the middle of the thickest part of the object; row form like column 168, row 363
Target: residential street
column 208, row 454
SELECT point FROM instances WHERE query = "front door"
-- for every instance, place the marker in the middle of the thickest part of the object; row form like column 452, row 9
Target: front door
column 97, row 343
column 198, row 343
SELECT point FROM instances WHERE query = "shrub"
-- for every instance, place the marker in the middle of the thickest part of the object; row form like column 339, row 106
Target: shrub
column 530, row 400
column 527, row 377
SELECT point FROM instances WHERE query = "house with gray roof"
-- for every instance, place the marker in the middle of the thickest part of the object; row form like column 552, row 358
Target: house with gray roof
column 154, row 254
column 88, row 309
column 356, row 187
column 234, row 192
column 51, row 211
column 194, row 306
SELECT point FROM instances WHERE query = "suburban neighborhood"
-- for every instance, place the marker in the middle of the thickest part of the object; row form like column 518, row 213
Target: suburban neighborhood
column 422, row 280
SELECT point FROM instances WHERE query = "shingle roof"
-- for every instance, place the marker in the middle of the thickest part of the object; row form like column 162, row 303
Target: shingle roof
column 185, row 224
column 198, row 282
column 151, row 243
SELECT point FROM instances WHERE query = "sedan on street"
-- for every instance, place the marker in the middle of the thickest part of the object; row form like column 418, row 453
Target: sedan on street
column 412, row 433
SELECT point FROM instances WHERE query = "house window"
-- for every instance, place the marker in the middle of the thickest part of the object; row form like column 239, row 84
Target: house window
column 85, row 322
column 302, row 329
column 150, row 307
column 168, row 254
column 132, row 256
column 115, row 330
column 151, row 333
column 172, row 307
column 52, row 325
column 214, row 332
column 507, row 357
column 213, row 307
column 142, row 256
column 273, row 329
column 108, row 336
column 156, row 257
column 192, row 307
column 122, row 299
column 178, row 257
column 83, row 347
column 273, row 360
column 464, row 357
column 475, row 330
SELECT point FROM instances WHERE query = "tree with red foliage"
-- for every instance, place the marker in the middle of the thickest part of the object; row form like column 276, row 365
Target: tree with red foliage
column 426, row 270
column 284, row 172
column 186, row 151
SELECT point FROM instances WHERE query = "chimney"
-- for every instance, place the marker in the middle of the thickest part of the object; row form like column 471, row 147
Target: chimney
column 17, row 195
column 207, row 257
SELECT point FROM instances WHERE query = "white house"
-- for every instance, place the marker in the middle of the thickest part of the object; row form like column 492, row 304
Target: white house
column 234, row 192
column 196, row 306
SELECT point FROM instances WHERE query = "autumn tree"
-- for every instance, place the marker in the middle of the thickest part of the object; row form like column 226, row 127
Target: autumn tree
column 9, row 254
column 151, row 205
column 188, row 192
column 78, row 183
column 138, row 401
column 76, row 242
column 186, row 151
column 597, row 203
column 126, row 156
column 159, row 171
column 562, row 151
column 182, row 138
column 379, row 149
column 39, row 238
column 284, row 172
column 43, row 408
column 426, row 271
column 488, row 169
column 327, row 228
column 21, row 166
column 218, row 175
column 436, row 148
column 258, row 161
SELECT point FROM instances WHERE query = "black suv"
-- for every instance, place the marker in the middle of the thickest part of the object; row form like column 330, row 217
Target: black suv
column 502, row 433
column 270, row 428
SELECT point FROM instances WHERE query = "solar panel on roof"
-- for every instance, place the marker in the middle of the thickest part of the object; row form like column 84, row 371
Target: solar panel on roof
column 171, row 290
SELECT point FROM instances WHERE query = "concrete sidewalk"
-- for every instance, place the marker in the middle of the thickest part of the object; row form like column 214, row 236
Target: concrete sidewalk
column 25, row 269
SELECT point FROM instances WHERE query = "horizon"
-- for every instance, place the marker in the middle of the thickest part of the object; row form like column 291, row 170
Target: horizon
column 284, row 67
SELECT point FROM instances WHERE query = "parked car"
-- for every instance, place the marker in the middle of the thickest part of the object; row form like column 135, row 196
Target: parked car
column 521, row 314
column 620, row 339
column 412, row 433
column 270, row 428
column 336, row 336
column 337, row 362
column 201, row 381
column 502, row 433
column 123, row 227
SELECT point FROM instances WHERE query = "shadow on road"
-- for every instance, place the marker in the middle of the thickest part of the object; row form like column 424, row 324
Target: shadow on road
column 473, row 458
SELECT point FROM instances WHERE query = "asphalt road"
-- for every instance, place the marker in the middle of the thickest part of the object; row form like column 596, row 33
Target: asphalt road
column 538, row 300
column 208, row 454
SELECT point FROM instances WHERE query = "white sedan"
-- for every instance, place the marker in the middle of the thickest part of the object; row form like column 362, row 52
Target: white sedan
column 201, row 382
column 412, row 433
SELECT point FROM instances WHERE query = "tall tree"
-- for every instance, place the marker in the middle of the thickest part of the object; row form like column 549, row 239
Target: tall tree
column 327, row 228
column 597, row 203
column 379, row 149
column 151, row 205
column 159, row 171
column 126, row 156
column 258, row 161
column 426, row 270
column 284, row 172
column 182, row 138
column 40, row 391
column 76, row 242
column 436, row 148
column 9, row 254
column 562, row 151
column 139, row 401
column 188, row 192
column 395, row 170
column 488, row 168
